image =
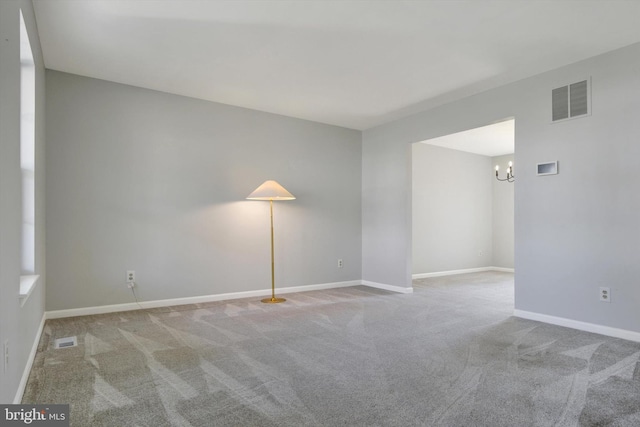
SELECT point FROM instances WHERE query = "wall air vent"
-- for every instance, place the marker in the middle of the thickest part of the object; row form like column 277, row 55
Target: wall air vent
column 571, row 101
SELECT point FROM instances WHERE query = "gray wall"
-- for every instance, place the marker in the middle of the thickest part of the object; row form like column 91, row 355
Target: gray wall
column 156, row 183
column 574, row 231
column 18, row 325
column 503, row 214
column 452, row 209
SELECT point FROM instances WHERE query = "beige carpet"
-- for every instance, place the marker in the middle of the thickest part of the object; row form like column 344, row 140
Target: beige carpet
column 450, row 354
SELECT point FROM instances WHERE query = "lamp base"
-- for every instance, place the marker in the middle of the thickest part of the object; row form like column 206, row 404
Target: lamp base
column 273, row 300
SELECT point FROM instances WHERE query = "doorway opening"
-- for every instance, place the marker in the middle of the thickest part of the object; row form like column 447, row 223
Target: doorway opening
column 462, row 216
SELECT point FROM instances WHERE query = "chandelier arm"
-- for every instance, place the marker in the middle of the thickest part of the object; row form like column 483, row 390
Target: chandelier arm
column 510, row 175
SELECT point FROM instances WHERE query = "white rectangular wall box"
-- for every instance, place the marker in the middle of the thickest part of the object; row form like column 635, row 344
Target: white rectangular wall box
column 547, row 168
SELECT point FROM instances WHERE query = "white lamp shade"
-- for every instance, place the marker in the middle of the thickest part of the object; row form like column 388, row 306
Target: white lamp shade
column 270, row 190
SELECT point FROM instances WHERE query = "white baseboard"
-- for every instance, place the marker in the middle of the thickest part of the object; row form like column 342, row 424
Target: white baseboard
column 503, row 269
column 27, row 369
column 582, row 326
column 319, row 287
column 391, row 288
column 463, row 271
column 102, row 309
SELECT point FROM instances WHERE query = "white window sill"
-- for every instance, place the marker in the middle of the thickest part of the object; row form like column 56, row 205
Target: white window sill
column 27, row 285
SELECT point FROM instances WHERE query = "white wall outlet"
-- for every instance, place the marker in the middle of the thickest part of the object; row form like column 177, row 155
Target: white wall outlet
column 605, row 294
column 6, row 355
column 131, row 276
column 340, row 263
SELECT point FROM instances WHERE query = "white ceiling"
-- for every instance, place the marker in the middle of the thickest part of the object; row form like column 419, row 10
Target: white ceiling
column 355, row 64
column 492, row 140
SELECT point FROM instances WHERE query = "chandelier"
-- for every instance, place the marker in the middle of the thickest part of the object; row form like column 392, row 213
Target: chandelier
column 510, row 176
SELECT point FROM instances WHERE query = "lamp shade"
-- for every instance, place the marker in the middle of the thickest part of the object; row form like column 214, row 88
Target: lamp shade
column 270, row 190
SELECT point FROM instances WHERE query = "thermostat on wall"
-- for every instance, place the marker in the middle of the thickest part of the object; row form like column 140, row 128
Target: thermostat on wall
column 547, row 168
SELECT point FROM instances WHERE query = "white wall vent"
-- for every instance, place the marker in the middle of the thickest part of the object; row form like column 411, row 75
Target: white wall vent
column 571, row 101
column 65, row 342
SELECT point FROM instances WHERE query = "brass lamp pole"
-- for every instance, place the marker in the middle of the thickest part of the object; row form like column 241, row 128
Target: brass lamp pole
column 271, row 190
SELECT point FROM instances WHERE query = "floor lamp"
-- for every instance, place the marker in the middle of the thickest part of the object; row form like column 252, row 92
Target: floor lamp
column 271, row 190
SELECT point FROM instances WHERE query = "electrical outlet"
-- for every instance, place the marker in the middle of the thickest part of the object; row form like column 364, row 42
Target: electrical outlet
column 605, row 294
column 131, row 276
column 340, row 263
column 6, row 355
column 131, row 285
